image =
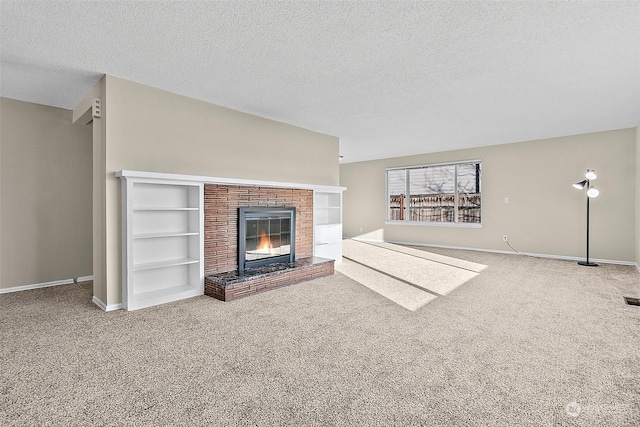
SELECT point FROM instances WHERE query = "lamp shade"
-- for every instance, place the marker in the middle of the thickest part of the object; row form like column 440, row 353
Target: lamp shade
column 591, row 174
column 593, row 192
column 580, row 185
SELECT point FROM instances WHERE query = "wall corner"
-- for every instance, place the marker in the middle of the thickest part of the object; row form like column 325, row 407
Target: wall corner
column 637, row 196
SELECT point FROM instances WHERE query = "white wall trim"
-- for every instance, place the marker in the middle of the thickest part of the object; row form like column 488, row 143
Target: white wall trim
column 105, row 307
column 497, row 251
column 36, row 286
column 45, row 285
column 225, row 181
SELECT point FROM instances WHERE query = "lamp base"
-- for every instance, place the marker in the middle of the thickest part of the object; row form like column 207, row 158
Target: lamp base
column 588, row 264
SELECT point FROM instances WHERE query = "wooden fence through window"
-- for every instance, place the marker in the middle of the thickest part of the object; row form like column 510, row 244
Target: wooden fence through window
column 436, row 208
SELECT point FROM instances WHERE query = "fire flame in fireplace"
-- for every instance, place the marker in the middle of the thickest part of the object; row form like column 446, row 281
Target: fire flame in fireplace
column 264, row 244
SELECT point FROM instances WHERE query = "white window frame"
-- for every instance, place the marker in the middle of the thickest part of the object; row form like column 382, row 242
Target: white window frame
column 407, row 221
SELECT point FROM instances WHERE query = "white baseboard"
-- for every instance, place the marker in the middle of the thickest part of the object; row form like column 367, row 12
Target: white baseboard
column 497, row 251
column 105, row 307
column 45, row 285
column 96, row 301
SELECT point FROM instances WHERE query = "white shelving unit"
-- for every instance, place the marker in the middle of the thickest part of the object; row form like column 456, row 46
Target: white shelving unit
column 163, row 242
column 327, row 224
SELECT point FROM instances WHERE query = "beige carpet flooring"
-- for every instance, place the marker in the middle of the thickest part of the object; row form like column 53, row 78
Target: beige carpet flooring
column 520, row 342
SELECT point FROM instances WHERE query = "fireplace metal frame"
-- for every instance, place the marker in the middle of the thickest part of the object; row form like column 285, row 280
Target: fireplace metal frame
column 264, row 212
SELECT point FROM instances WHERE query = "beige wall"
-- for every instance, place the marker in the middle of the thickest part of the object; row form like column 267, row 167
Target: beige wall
column 545, row 214
column 153, row 130
column 638, row 197
column 45, row 179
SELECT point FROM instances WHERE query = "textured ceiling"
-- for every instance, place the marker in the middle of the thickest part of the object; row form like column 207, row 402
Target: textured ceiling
column 388, row 78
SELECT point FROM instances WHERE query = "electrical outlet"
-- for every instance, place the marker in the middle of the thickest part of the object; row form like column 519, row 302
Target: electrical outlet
column 361, row 229
column 505, row 238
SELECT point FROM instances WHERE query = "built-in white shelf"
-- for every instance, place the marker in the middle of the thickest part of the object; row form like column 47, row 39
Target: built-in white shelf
column 156, row 235
column 327, row 223
column 165, row 209
column 161, row 264
column 163, row 293
column 163, row 244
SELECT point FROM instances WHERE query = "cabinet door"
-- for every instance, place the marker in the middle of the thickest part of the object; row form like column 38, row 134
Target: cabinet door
column 329, row 250
column 328, row 234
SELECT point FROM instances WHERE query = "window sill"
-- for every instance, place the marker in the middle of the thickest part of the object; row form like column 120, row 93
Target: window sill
column 435, row 224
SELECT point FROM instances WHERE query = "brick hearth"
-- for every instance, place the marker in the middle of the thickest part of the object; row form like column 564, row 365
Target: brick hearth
column 229, row 286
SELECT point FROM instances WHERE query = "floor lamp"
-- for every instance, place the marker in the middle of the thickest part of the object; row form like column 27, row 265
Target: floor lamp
column 591, row 193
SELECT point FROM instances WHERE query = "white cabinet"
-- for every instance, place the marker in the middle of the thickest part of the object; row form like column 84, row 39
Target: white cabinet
column 163, row 244
column 327, row 220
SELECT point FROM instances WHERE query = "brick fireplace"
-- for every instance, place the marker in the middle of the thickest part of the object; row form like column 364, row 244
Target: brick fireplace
column 221, row 215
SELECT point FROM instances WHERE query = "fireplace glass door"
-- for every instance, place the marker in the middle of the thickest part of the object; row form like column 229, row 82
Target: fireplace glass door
column 266, row 235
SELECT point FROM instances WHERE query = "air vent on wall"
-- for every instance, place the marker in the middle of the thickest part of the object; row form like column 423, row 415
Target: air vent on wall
column 632, row 301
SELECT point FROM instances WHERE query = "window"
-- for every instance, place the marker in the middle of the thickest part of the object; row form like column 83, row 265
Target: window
column 445, row 193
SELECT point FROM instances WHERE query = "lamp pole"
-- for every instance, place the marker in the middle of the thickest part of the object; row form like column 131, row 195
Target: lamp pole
column 587, row 263
column 590, row 193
